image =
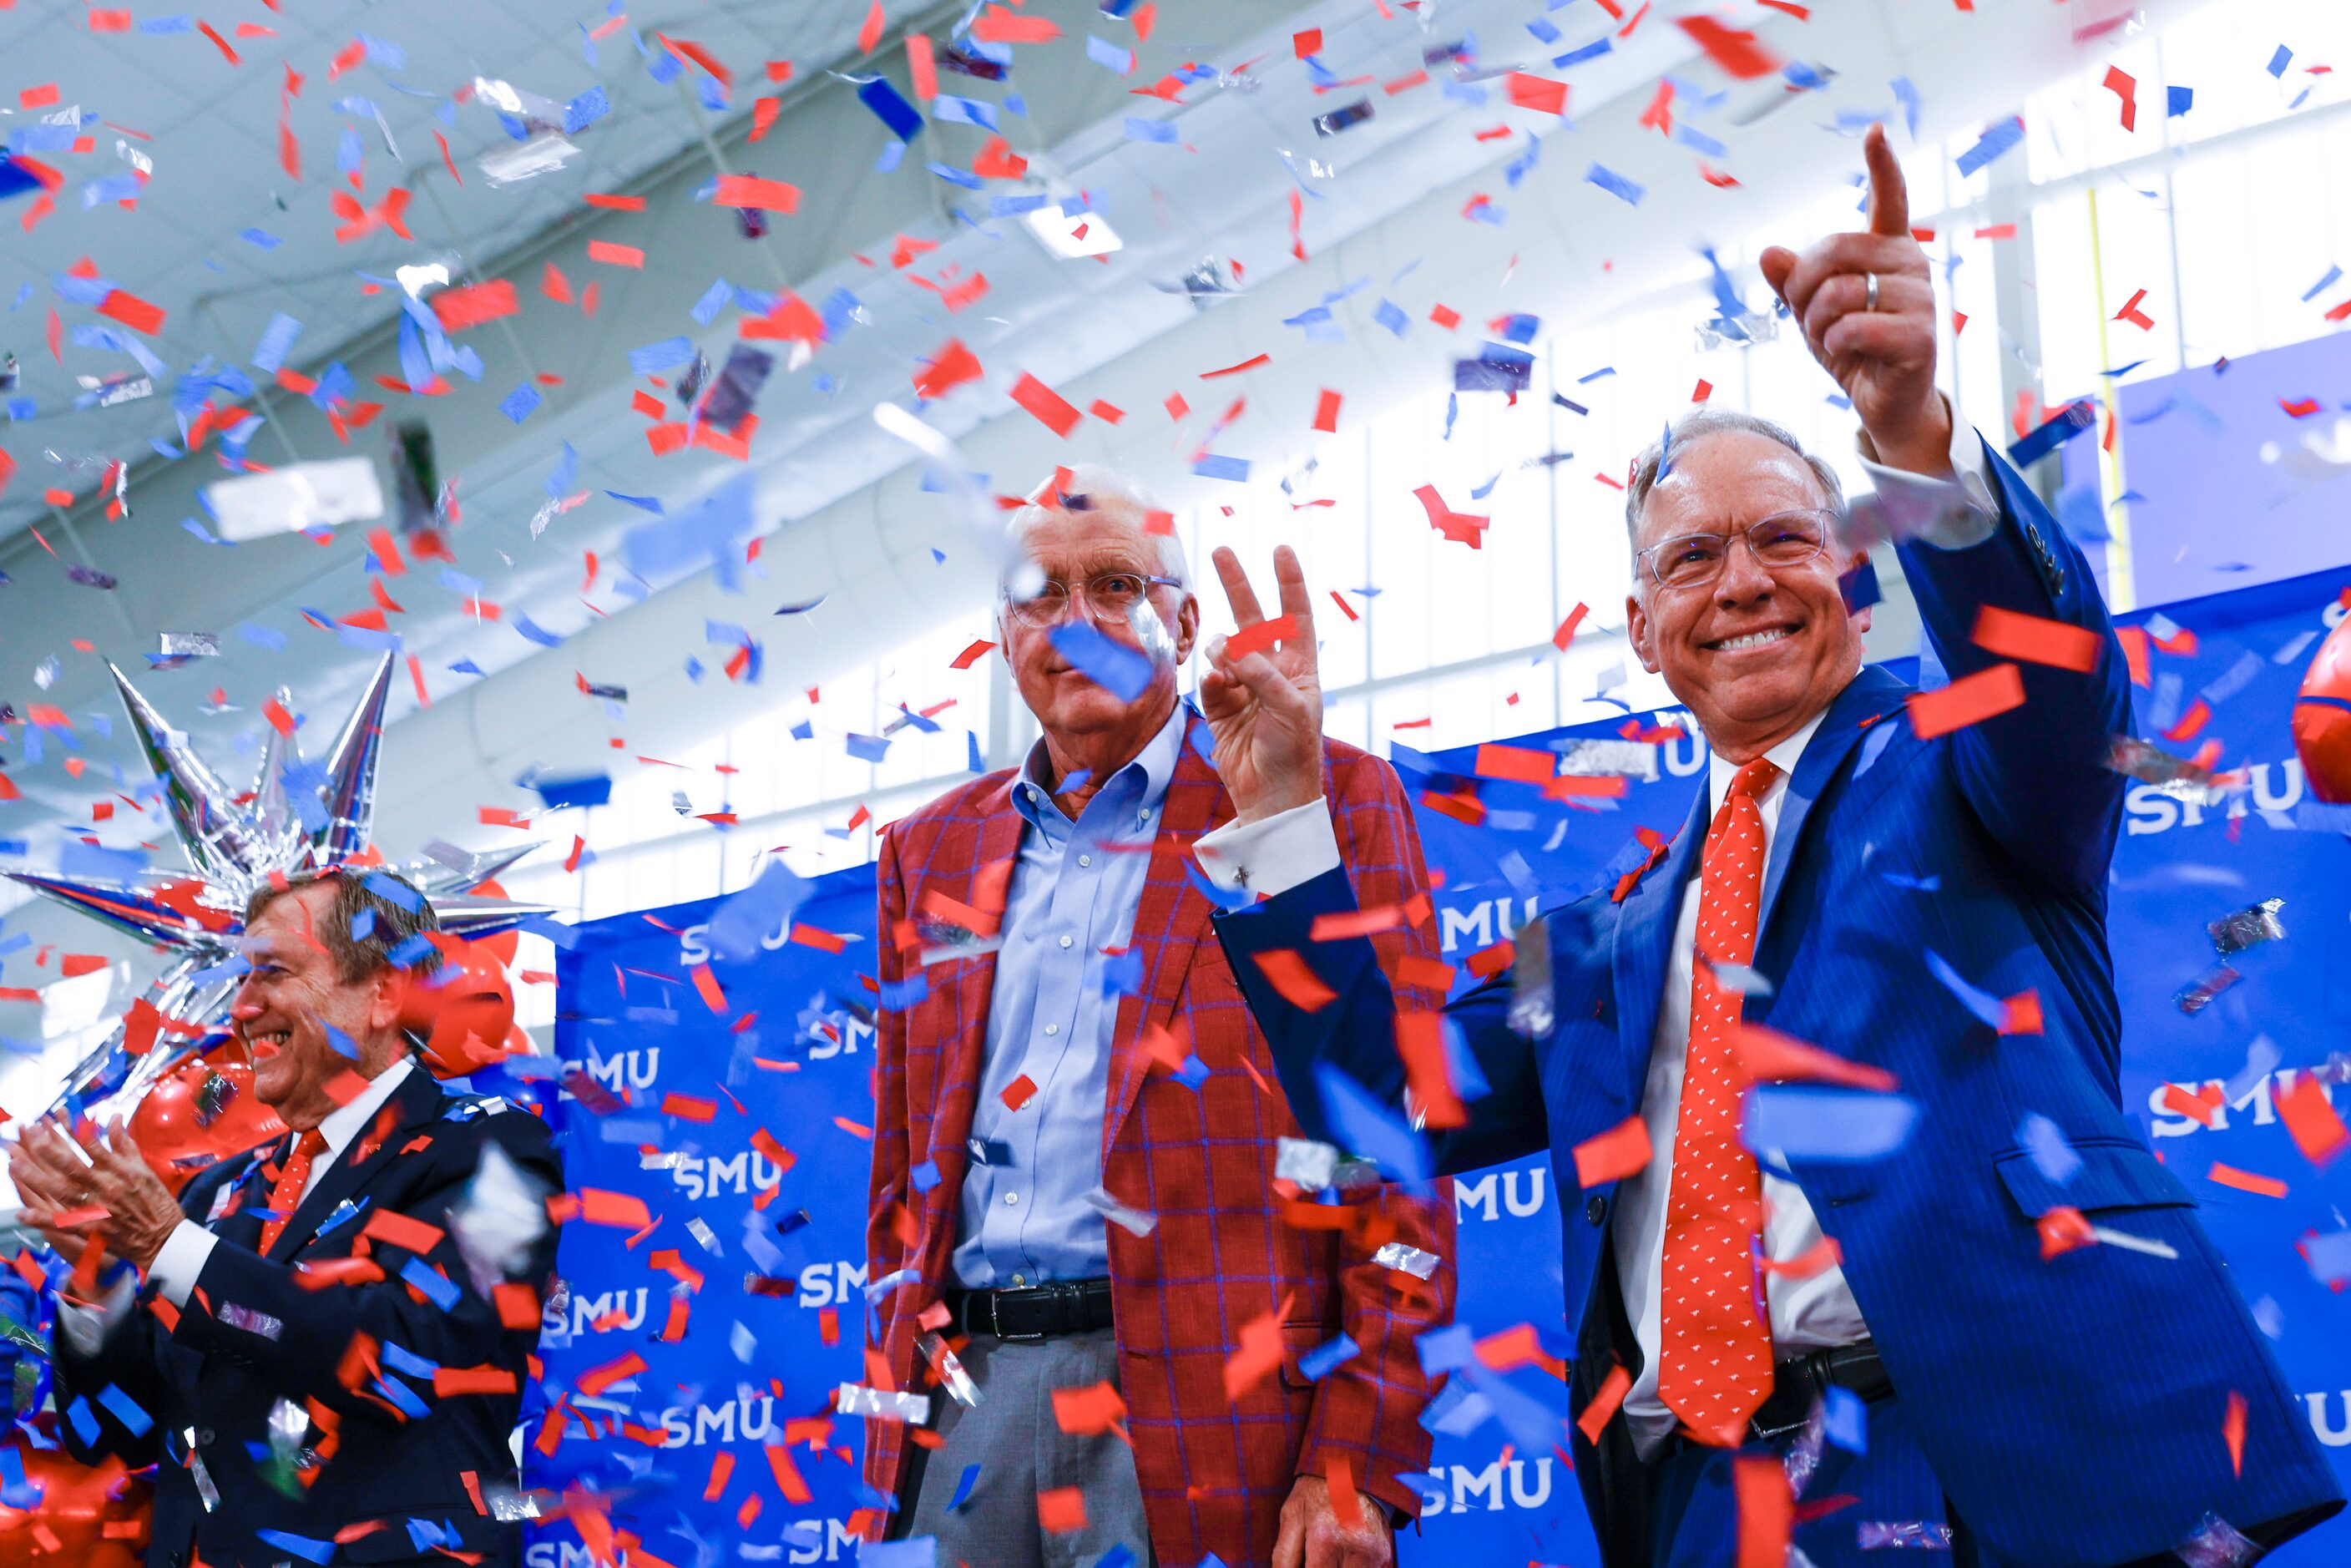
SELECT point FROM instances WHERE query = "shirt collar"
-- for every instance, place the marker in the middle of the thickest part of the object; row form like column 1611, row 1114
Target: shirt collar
column 344, row 1123
column 1033, row 796
column 1721, row 770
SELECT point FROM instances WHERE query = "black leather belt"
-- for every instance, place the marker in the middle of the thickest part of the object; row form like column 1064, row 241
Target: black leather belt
column 1040, row 1312
column 1799, row 1381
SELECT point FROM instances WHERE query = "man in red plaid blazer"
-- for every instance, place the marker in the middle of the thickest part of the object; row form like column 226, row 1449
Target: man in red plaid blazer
column 1076, row 1127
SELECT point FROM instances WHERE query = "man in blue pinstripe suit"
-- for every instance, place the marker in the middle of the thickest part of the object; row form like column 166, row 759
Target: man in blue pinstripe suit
column 2025, row 1334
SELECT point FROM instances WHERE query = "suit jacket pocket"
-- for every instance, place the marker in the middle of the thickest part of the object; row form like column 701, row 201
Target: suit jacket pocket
column 2114, row 1174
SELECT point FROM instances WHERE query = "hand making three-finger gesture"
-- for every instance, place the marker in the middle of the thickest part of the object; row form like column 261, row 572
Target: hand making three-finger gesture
column 1265, row 705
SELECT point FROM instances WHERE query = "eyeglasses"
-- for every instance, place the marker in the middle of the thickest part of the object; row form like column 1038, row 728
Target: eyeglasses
column 1112, row 596
column 1784, row 538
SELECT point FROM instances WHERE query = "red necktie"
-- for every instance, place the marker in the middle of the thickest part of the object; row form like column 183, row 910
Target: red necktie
column 287, row 1194
column 1714, row 1364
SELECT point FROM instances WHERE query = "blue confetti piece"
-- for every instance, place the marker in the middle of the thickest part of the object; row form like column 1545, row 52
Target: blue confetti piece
column 2279, row 61
column 85, row 1424
column 890, row 108
column 893, row 154
column 303, row 1546
column 643, row 503
column 2327, row 282
column 1691, row 136
column 400, row 1358
column 520, row 404
column 1213, row 466
column 804, row 730
column 1324, row 1359
column 2053, row 432
column 1615, row 184
column 925, row 1176
column 1119, row 1556
column 163, row 26
column 442, row 1292
column 1370, row 1128
column 1577, row 57
column 973, row 761
column 1907, row 93
column 1544, row 31
column 127, row 1410
column 866, row 747
column 1996, row 140
column 1389, row 315
column 1986, row 1006
column 1123, row 672
column 964, row 1484
column 566, row 468
column 417, row 949
column 1447, row 1348
column 1105, row 53
column 1596, row 375
column 1160, row 130
column 532, row 630
column 1826, row 1124
column 714, row 299
column 1846, row 1420
column 1013, row 206
column 581, row 790
column 955, row 176
column 1121, row 972
column 655, row 357
column 276, row 339
column 948, row 107
column 585, row 110
column 2052, row 1154
column 2178, row 100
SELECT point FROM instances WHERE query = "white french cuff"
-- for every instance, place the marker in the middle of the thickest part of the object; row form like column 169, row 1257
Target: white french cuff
column 181, row 1260
column 1273, row 854
column 1952, row 512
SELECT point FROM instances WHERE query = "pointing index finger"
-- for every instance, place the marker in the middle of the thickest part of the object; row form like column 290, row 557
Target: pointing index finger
column 1889, row 198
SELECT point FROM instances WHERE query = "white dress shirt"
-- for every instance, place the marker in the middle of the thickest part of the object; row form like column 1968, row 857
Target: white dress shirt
column 185, row 1250
column 1280, row 852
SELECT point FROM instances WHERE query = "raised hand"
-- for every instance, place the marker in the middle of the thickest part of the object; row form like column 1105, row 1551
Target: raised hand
column 1882, row 356
column 1266, row 706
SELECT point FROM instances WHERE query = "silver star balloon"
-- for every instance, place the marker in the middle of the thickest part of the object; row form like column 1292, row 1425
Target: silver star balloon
column 298, row 816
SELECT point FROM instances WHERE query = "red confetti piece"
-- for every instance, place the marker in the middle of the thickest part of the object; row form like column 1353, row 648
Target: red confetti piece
column 1345, row 609
column 1295, row 981
column 2036, row 639
column 1420, row 1042
column 1739, row 53
column 1445, row 316
column 764, row 112
column 998, row 26
column 2123, row 86
column 1252, row 363
column 869, row 33
column 1261, row 637
column 2233, row 1431
column 1566, row 634
column 1621, row 1150
column 1517, row 763
column 597, row 1379
column 706, row 984
column 1969, row 700
column 2131, row 313
column 616, row 254
column 132, row 311
column 1326, row 411
column 922, row 66
column 688, row 1107
column 1260, row 1354
column 750, row 190
column 1308, row 41
column 1769, row 1057
column 2198, row 714
column 1051, row 410
column 1060, row 1510
column 1538, row 93
column 219, row 42
column 1604, row 1402
column 952, row 365
column 400, row 1231
column 279, row 719
column 2316, row 1129
column 2246, row 1181
column 474, row 304
column 37, row 96
column 971, row 655
column 1767, row 1508
column 1018, row 1092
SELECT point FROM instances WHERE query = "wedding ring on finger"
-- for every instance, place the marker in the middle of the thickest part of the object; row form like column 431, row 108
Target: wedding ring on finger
column 1870, row 301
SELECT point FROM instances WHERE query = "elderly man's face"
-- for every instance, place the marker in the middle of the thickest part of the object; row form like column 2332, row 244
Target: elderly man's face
column 1072, row 548
column 1758, row 650
column 292, row 993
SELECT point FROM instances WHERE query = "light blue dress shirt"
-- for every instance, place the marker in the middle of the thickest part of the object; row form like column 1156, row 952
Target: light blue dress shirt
column 1075, row 890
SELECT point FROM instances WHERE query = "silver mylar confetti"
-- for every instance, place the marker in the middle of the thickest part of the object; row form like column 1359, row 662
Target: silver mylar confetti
column 951, row 1373
column 2243, row 928
column 699, row 1229
column 1406, row 1259
column 1133, row 1221
column 1301, row 1160
column 1532, row 1014
column 856, row 1399
column 2216, row 1543
column 190, row 645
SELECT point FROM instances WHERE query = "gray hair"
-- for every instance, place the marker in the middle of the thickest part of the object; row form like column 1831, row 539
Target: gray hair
column 1711, row 421
column 1099, row 485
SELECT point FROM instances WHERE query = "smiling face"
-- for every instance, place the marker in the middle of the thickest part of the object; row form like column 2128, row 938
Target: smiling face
column 292, row 993
column 1756, row 653
column 1071, row 548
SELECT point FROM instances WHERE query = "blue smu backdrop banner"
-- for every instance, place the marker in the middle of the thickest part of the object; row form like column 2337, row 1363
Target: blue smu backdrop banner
column 688, row 1409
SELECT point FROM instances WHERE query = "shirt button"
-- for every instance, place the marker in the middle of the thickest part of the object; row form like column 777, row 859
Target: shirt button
column 1065, row 941
column 1086, row 859
column 1012, row 1198
column 1595, row 1208
column 1019, row 1279
column 1052, row 1029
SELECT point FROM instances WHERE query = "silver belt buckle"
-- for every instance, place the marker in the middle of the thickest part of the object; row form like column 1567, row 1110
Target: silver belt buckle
column 995, row 1323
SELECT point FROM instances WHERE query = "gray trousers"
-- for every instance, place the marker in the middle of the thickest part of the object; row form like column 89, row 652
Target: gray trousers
column 1021, row 1450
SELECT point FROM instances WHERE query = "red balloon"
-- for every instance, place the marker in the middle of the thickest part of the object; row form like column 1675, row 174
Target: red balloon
column 78, row 1502
column 463, row 1012
column 176, row 1135
column 2322, row 718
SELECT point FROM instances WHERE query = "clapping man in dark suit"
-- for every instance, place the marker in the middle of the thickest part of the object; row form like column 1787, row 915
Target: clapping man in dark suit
column 2054, row 1366
column 307, row 1352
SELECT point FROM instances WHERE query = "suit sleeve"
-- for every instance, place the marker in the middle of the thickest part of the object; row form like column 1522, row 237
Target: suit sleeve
column 893, row 1158
column 1367, row 1410
column 318, row 1343
column 1356, row 1032
column 2036, row 775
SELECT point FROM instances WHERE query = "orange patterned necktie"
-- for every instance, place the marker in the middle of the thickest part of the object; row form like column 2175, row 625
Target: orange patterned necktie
column 1714, row 1366
column 287, row 1194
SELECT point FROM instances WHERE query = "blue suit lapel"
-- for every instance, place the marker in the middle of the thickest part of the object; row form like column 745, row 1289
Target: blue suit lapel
column 1874, row 690
column 1645, row 934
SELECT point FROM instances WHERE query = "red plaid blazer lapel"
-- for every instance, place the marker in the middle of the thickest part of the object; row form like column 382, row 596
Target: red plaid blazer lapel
column 956, row 1014
column 1170, row 923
